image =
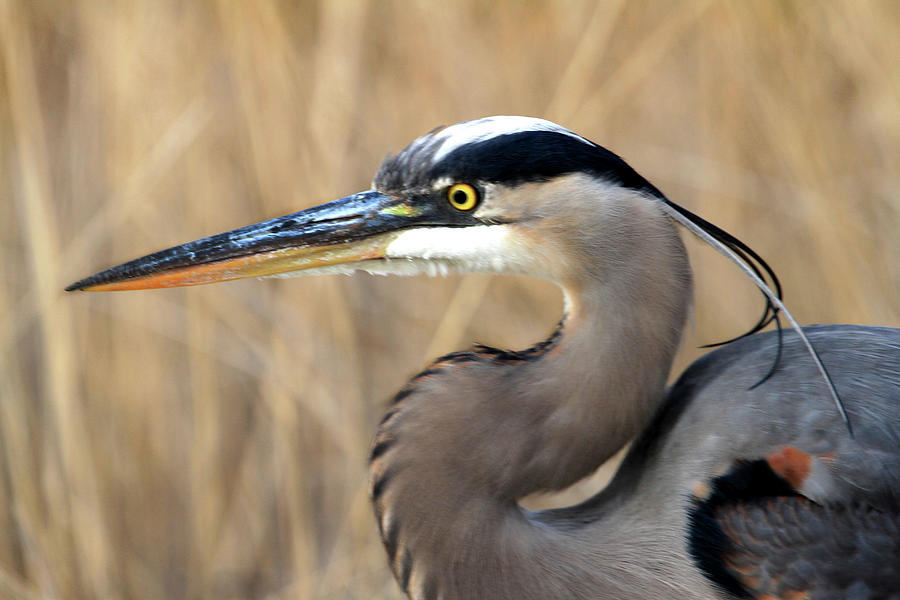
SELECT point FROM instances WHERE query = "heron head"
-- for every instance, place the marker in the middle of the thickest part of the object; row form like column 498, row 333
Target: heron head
column 498, row 194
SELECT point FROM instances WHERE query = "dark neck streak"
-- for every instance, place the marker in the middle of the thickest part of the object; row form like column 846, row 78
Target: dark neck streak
column 383, row 471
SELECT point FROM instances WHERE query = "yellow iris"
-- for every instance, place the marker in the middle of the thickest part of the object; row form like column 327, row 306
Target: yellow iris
column 462, row 196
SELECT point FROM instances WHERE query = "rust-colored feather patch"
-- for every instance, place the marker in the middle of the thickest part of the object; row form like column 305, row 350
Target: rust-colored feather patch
column 791, row 464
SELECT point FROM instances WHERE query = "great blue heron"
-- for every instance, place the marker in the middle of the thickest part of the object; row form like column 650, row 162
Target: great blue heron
column 743, row 481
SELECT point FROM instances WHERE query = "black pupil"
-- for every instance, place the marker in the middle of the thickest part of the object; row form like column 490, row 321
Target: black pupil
column 460, row 197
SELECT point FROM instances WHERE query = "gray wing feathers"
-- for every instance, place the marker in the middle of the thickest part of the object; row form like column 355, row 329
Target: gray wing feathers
column 793, row 548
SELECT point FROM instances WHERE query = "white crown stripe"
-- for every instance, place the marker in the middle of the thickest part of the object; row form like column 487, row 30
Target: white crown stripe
column 479, row 130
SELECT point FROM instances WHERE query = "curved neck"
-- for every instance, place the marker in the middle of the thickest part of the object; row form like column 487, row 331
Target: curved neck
column 478, row 430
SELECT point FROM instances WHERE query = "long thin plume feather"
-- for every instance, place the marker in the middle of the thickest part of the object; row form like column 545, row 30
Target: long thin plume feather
column 747, row 260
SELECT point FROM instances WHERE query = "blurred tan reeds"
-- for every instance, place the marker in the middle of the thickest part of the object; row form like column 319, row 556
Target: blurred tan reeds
column 211, row 442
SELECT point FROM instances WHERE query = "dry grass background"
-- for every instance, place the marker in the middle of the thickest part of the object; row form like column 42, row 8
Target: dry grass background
column 211, row 442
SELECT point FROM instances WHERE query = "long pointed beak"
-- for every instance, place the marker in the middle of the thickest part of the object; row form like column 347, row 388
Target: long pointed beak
column 354, row 229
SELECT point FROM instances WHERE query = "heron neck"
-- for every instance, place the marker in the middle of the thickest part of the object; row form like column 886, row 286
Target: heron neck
column 480, row 429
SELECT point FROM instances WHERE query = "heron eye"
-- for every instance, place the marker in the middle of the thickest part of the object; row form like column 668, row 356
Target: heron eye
column 462, row 196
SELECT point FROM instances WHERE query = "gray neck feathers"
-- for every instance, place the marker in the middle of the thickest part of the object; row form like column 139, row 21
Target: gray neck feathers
column 479, row 430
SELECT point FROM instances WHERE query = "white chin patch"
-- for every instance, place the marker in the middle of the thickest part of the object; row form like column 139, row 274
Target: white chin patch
column 477, row 249
column 437, row 251
column 384, row 266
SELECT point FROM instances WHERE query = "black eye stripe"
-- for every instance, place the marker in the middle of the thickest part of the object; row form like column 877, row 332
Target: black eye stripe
column 509, row 159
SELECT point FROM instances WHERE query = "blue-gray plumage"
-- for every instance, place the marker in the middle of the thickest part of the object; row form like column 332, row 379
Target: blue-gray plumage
column 743, row 481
